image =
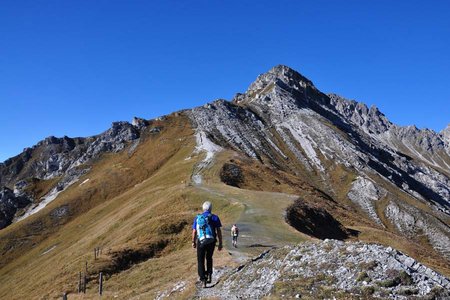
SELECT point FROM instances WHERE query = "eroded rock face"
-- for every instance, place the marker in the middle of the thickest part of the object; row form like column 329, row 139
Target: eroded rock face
column 412, row 222
column 65, row 157
column 371, row 120
column 283, row 120
column 329, row 269
column 55, row 156
column 9, row 204
column 282, row 113
column 364, row 192
column 423, row 144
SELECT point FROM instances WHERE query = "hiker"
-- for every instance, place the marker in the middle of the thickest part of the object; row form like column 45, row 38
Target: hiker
column 205, row 233
column 234, row 234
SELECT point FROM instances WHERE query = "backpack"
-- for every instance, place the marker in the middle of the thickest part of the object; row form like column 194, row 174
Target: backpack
column 204, row 231
column 235, row 231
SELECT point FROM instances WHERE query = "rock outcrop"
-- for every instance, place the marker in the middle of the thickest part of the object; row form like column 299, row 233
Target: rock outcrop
column 9, row 205
column 67, row 158
column 331, row 269
column 446, row 134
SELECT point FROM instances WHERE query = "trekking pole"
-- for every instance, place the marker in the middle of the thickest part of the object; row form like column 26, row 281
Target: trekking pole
column 100, row 281
column 65, row 296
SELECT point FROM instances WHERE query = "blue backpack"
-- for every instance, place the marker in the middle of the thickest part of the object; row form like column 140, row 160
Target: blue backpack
column 204, row 231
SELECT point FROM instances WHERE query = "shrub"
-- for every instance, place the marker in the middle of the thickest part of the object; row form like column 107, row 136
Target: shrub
column 367, row 291
column 363, row 276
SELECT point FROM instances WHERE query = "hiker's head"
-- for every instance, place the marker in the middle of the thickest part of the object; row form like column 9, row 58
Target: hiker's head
column 207, row 206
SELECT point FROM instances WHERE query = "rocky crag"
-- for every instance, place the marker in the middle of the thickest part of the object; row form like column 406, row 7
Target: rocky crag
column 330, row 270
column 10, row 203
column 65, row 159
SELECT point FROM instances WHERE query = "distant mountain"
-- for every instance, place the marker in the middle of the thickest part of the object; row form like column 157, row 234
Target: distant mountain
column 64, row 159
column 334, row 167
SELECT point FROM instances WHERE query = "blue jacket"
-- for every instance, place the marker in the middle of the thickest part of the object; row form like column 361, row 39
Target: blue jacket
column 214, row 222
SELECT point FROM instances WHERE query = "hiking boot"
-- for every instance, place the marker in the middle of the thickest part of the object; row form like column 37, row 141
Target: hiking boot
column 209, row 278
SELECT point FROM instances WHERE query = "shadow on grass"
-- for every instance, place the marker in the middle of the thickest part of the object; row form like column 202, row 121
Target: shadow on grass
column 316, row 222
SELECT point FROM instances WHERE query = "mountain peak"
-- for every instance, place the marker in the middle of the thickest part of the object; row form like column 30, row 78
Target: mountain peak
column 284, row 74
column 286, row 71
column 280, row 76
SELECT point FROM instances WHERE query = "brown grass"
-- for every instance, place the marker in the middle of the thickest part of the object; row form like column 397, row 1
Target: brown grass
column 39, row 188
column 138, row 208
column 129, row 204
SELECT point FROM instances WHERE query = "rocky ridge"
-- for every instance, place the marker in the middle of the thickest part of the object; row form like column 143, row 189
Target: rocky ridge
column 330, row 269
column 283, row 120
column 67, row 158
column 424, row 144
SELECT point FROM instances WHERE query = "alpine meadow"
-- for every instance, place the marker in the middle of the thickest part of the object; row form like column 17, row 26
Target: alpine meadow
column 332, row 199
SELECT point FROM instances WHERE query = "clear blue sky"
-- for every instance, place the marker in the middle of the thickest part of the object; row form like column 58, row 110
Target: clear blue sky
column 73, row 67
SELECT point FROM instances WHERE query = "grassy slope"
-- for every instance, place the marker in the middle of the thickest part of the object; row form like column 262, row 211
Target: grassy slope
column 123, row 206
column 142, row 201
column 130, row 204
column 261, row 220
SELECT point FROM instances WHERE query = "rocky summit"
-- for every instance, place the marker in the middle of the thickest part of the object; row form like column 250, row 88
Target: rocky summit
column 333, row 199
column 283, row 120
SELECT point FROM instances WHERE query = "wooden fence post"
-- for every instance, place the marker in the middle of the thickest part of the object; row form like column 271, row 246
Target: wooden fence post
column 79, row 284
column 100, row 287
column 84, row 284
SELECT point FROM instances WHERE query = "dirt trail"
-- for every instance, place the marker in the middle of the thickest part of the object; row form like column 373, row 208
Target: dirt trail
column 261, row 224
column 261, row 227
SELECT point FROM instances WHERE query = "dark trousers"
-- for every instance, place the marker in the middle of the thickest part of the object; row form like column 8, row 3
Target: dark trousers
column 205, row 252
